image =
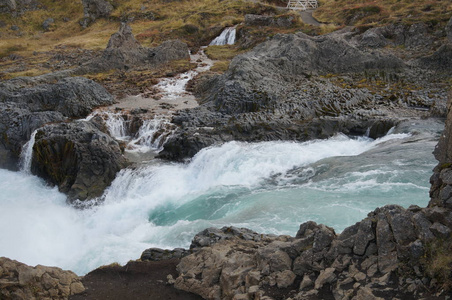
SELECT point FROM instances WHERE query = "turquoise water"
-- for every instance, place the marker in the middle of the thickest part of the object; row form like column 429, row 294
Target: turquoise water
column 270, row 187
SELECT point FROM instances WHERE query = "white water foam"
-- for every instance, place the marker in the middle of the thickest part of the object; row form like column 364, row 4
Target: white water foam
column 116, row 125
column 165, row 204
column 227, row 37
column 27, row 154
column 174, row 87
column 152, row 135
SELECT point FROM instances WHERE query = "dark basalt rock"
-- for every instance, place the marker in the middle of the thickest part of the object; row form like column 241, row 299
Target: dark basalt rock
column 298, row 87
column 17, row 123
column 26, row 105
column 74, row 97
column 78, row 157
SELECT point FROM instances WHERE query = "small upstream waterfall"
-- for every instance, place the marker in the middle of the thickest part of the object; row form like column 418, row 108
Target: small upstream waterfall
column 173, row 88
column 116, row 125
column 26, row 154
column 227, row 37
column 152, row 135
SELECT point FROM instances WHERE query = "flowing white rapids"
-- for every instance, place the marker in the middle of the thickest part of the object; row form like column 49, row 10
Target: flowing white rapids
column 152, row 135
column 269, row 187
column 116, row 125
column 227, row 37
column 173, row 88
column 26, row 154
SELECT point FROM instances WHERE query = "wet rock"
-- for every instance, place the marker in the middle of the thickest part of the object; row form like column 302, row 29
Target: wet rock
column 20, row 281
column 26, row 105
column 17, row 123
column 79, row 158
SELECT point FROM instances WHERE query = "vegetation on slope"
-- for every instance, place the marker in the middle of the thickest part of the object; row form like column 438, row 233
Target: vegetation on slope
column 371, row 13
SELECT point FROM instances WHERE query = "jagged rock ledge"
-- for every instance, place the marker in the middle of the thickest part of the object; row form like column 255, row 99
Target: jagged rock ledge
column 19, row 281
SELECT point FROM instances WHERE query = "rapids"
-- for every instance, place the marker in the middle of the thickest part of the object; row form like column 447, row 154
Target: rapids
column 269, row 187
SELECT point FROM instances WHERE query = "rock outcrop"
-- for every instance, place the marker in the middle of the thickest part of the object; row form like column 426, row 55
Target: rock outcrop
column 26, row 105
column 79, row 157
column 94, row 9
column 74, row 97
column 441, row 180
column 21, row 282
column 17, row 7
column 381, row 256
column 124, row 52
column 298, row 87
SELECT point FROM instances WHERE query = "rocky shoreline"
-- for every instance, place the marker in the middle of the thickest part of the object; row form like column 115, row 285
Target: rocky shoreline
column 291, row 87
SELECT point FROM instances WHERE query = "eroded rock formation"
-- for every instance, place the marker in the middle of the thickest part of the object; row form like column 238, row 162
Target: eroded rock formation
column 22, row 282
column 26, row 106
column 298, row 87
column 124, row 52
column 79, row 157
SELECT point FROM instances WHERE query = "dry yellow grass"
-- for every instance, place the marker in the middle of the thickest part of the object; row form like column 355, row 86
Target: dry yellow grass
column 365, row 12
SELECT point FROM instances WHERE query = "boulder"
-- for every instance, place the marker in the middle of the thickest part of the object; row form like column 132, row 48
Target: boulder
column 79, row 157
column 212, row 235
column 8, row 6
column 22, row 282
column 47, row 24
column 94, row 9
column 124, row 52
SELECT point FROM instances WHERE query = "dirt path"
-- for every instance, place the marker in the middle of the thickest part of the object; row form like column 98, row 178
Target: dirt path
column 307, row 18
column 134, row 281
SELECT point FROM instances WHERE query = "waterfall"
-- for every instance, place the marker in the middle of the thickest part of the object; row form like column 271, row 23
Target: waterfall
column 26, row 154
column 116, row 125
column 227, row 37
column 152, row 135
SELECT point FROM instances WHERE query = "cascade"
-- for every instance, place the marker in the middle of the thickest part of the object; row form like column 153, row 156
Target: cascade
column 227, row 37
column 152, row 135
column 116, row 125
column 26, row 154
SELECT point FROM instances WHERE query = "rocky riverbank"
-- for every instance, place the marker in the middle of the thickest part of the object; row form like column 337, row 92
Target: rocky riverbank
column 291, row 87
